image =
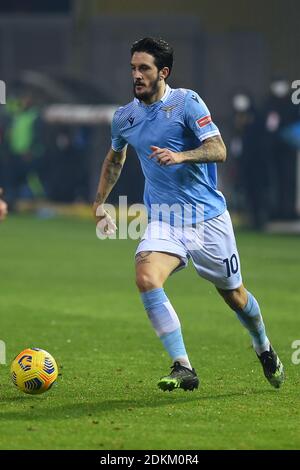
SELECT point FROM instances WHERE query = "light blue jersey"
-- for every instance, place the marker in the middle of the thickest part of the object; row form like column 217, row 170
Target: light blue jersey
column 180, row 121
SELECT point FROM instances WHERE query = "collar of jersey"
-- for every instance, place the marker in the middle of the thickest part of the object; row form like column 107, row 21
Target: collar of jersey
column 162, row 100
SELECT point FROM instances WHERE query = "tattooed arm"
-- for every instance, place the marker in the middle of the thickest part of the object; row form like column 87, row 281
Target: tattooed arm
column 110, row 172
column 212, row 150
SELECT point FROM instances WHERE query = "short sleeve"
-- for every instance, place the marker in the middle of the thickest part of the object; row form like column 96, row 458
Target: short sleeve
column 198, row 117
column 117, row 141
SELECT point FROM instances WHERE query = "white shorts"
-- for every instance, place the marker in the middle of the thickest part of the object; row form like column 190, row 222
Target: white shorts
column 211, row 246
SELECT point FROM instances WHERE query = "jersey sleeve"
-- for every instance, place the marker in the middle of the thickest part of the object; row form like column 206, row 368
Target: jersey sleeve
column 198, row 117
column 117, row 141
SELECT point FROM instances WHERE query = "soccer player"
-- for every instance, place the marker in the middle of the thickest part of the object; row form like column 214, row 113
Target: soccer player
column 178, row 146
column 3, row 207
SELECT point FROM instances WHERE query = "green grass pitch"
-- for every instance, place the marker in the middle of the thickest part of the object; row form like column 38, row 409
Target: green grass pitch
column 65, row 291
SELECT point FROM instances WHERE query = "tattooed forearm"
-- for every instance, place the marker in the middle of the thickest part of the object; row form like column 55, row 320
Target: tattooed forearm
column 98, row 198
column 111, row 170
column 212, row 150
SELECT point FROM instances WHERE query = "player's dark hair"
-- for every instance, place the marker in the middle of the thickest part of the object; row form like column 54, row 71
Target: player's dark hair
column 158, row 48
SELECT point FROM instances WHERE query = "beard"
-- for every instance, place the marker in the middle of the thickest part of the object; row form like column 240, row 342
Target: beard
column 147, row 95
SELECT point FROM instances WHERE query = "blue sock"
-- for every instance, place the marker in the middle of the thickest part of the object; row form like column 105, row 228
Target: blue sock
column 166, row 324
column 251, row 318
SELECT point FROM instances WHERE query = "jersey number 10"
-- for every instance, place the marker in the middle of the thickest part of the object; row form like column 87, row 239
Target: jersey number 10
column 232, row 265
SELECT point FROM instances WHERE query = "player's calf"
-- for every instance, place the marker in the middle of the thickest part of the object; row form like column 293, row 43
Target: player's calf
column 250, row 316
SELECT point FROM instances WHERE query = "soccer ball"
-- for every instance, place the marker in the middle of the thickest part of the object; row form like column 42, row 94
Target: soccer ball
column 34, row 371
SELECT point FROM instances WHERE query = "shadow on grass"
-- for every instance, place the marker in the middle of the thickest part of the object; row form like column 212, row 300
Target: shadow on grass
column 34, row 410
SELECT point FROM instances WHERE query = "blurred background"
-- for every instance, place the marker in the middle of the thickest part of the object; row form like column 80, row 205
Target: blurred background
column 66, row 68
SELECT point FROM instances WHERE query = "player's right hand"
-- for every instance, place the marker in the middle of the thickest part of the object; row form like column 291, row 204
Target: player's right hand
column 105, row 224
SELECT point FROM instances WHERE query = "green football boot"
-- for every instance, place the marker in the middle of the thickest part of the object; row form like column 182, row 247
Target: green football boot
column 180, row 377
column 272, row 366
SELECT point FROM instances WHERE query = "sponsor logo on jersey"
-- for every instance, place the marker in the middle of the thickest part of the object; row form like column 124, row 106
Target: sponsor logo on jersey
column 131, row 120
column 204, row 121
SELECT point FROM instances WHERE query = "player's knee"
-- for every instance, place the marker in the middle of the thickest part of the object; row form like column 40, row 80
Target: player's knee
column 146, row 281
column 236, row 298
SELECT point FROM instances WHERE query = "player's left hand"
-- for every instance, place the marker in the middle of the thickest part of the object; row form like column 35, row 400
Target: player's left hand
column 165, row 156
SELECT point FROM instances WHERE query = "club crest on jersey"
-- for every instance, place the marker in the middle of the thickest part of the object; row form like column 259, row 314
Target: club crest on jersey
column 204, row 121
column 168, row 110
